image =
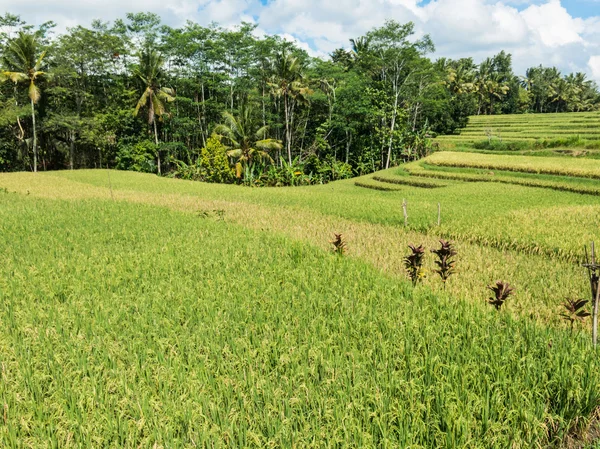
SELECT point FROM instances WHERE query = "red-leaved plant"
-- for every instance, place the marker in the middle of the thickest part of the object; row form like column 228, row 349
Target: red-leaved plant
column 445, row 255
column 502, row 290
column 575, row 311
column 414, row 263
column 339, row 245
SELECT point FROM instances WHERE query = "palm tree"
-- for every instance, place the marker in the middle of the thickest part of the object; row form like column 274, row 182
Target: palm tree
column 360, row 46
column 246, row 144
column 288, row 84
column 23, row 64
column 153, row 98
column 489, row 85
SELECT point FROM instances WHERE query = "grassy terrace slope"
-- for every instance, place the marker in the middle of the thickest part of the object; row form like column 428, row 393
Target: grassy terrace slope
column 528, row 128
column 165, row 313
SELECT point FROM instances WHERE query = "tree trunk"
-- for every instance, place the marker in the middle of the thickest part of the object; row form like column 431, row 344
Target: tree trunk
column 204, row 131
column 34, row 138
column 288, row 140
column 348, row 144
column 392, row 126
column 71, row 148
column 157, row 149
column 264, row 112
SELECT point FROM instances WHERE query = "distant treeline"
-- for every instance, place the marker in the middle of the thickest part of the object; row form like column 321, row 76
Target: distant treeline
column 137, row 94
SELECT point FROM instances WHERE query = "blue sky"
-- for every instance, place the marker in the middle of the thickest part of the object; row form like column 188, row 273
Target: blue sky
column 582, row 8
column 563, row 33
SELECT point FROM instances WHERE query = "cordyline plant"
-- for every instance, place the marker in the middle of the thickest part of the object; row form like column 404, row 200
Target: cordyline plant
column 502, row 290
column 414, row 263
column 339, row 245
column 445, row 260
column 575, row 311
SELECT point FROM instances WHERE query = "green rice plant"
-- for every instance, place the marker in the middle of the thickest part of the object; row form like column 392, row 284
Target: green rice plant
column 376, row 185
column 551, row 166
column 130, row 333
column 446, row 265
column 469, row 174
column 410, row 182
column 502, row 291
column 413, row 263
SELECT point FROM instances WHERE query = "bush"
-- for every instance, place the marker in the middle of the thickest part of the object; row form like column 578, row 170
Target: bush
column 499, row 145
column 137, row 157
column 215, row 163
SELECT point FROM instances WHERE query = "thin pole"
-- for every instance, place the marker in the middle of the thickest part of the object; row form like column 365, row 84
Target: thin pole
column 405, row 212
column 439, row 214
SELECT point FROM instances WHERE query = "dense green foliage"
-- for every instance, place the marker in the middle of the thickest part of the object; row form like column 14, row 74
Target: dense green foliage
column 138, row 95
column 146, row 327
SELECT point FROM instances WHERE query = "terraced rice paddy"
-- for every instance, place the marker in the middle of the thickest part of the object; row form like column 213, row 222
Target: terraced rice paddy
column 139, row 311
column 528, row 128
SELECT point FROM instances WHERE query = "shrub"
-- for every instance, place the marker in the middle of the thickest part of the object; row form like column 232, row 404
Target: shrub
column 139, row 156
column 502, row 291
column 215, row 163
column 445, row 261
column 339, row 245
column 414, row 263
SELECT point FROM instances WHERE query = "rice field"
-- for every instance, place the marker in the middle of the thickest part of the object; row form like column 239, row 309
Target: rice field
column 580, row 129
column 139, row 311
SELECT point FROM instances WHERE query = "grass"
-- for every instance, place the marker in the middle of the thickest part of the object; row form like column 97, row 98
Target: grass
column 130, row 324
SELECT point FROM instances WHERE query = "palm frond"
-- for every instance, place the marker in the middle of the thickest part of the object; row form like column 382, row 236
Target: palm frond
column 236, row 153
column 15, row 77
column 261, row 154
column 38, row 63
column 168, row 93
column 232, row 123
column 261, row 132
column 34, row 92
column 142, row 101
column 158, row 106
column 269, row 144
column 227, row 133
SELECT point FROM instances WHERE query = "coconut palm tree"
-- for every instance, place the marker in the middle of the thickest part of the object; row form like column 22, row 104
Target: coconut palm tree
column 288, row 84
column 154, row 96
column 246, row 144
column 23, row 64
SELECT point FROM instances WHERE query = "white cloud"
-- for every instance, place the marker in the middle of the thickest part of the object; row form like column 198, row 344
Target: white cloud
column 553, row 24
column 534, row 31
column 594, row 65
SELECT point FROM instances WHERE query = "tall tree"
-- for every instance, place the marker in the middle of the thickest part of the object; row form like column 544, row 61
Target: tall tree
column 247, row 143
column 23, row 63
column 393, row 56
column 154, row 96
column 288, row 84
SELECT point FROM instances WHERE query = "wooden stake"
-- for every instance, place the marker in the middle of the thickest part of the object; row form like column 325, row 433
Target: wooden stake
column 405, row 212
column 595, row 317
column 439, row 214
column 596, row 298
